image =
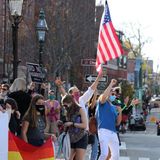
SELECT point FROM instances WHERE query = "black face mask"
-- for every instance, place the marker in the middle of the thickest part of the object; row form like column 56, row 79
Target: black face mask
column 40, row 108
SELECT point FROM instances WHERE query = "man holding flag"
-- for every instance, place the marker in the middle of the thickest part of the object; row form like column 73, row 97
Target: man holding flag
column 107, row 118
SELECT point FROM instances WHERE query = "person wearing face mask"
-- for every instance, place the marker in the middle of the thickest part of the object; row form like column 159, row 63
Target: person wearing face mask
column 34, row 122
column 108, row 116
column 75, row 92
column 83, row 99
column 53, row 113
column 76, row 126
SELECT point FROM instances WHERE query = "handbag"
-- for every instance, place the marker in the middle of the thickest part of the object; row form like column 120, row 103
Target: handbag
column 93, row 125
column 64, row 149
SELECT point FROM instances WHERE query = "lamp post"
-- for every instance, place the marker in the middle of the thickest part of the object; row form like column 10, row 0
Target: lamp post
column 41, row 29
column 15, row 7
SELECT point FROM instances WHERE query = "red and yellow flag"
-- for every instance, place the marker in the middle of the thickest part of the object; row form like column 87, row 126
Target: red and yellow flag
column 20, row 150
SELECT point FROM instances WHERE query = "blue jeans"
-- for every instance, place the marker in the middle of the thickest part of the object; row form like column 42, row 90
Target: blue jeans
column 94, row 149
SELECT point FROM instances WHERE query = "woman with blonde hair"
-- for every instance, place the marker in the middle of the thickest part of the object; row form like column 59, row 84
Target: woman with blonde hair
column 18, row 84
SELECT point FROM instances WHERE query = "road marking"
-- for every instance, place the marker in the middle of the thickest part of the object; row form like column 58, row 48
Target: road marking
column 124, row 158
column 123, row 146
column 128, row 158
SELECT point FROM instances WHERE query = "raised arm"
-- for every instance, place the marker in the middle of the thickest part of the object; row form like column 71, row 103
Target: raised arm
column 95, row 83
column 106, row 93
column 88, row 94
column 59, row 84
column 93, row 100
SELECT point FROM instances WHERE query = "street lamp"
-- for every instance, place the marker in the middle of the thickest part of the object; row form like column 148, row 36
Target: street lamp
column 15, row 7
column 41, row 29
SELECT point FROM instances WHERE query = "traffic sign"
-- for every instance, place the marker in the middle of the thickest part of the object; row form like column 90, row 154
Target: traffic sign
column 88, row 62
column 92, row 78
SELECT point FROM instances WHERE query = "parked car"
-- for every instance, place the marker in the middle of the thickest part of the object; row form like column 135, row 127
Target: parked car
column 155, row 102
column 136, row 123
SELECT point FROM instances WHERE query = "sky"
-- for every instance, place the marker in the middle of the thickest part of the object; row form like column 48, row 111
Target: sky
column 142, row 14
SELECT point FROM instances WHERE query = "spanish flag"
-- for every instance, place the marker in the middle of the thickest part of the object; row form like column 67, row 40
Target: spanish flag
column 20, row 150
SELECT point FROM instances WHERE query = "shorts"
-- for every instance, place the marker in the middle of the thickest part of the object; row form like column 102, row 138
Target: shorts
column 82, row 143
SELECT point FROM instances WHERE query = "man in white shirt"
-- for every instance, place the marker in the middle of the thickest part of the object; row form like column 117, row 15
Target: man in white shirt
column 75, row 92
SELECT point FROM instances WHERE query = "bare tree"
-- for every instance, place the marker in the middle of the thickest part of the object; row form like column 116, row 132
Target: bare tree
column 136, row 39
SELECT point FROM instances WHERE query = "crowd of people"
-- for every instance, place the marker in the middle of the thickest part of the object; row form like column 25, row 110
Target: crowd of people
column 35, row 117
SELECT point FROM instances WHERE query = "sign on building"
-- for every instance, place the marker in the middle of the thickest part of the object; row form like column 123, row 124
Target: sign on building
column 88, row 62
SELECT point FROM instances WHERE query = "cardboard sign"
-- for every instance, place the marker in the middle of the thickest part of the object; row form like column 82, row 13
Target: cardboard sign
column 35, row 71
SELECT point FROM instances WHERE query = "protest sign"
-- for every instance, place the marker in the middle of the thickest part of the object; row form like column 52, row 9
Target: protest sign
column 35, row 72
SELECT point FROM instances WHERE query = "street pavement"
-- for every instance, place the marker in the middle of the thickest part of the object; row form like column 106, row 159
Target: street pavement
column 133, row 153
column 143, row 145
column 140, row 145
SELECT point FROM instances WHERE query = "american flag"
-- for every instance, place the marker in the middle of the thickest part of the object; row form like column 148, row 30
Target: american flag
column 108, row 43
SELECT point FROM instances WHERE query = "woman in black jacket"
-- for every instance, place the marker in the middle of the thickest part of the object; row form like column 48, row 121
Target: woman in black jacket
column 19, row 94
